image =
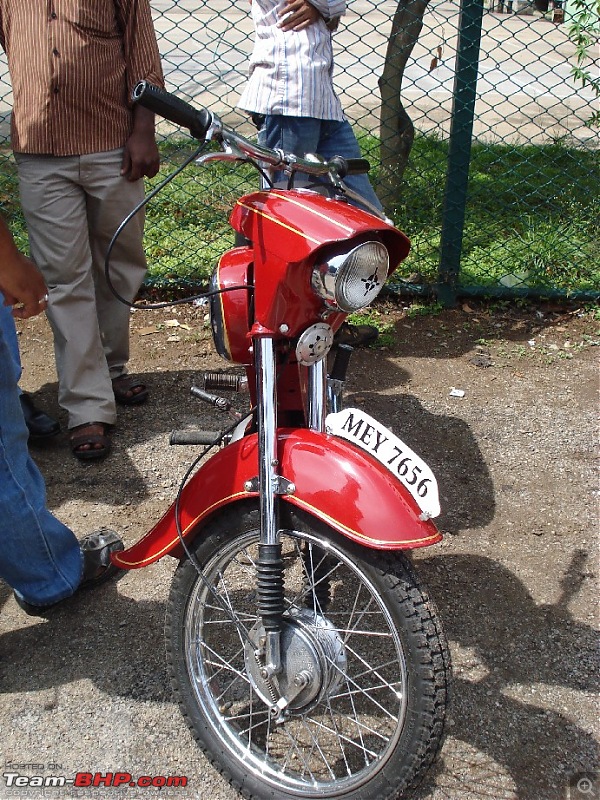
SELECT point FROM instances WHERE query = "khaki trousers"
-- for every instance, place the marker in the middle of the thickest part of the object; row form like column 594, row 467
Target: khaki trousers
column 73, row 206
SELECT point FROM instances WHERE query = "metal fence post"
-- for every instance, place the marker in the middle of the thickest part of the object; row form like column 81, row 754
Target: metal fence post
column 459, row 153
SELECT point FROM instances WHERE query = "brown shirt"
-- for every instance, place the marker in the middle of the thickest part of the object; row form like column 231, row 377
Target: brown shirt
column 73, row 64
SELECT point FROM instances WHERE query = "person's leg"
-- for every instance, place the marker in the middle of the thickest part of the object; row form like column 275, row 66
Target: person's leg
column 40, row 425
column 299, row 135
column 110, row 198
column 9, row 333
column 39, row 556
column 338, row 139
column 328, row 138
column 54, row 205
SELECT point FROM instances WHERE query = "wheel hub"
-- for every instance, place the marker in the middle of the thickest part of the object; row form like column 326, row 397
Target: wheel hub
column 313, row 660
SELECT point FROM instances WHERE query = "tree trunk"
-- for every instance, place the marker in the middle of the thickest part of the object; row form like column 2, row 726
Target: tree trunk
column 396, row 128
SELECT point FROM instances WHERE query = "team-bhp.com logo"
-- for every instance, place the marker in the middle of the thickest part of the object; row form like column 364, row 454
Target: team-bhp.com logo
column 89, row 780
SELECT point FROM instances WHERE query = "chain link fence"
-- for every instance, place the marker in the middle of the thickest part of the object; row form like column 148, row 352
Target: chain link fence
column 471, row 118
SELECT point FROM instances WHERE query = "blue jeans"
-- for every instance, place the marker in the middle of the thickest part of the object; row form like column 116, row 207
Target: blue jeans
column 9, row 332
column 40, row 558
column 326, row 137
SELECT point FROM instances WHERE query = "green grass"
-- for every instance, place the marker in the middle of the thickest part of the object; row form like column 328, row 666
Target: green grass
column 187, row 222
column 532, row 216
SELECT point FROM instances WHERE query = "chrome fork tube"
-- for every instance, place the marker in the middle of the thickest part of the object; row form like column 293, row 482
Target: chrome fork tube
column 335, row 390
column 267, row 438
column 317, row 404
column 269, row 565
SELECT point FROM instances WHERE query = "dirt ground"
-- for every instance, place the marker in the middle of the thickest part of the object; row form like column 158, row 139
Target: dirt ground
column 515, row 578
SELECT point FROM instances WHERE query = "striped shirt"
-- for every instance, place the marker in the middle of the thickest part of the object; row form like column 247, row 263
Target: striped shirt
column 73, row 64
column 291, row 73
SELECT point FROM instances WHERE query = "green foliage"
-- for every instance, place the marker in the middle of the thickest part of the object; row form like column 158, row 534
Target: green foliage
column 584, row 32
column 9, row 201
column 424, row 310
column 371, row 316
column 532, row 217
column 532, row 213
column 186, row 223
column 539, row 254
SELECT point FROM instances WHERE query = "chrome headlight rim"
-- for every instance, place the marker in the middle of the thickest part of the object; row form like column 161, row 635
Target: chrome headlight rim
column 351, row 280
column 217, row 318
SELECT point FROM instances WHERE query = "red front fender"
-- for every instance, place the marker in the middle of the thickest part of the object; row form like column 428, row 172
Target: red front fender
column 336, row 482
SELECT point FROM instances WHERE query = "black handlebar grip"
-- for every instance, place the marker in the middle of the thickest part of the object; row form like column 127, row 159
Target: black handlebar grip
column 173, row 108
column 195, row 437
column 341, row 361
column 350, row 166
column 357, row 166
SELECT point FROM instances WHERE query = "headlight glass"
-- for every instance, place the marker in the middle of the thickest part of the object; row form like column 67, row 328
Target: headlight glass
column 351, row 281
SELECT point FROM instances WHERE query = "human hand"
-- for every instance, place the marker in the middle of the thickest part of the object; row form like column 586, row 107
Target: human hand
column 23, row 286
column 140, row 157
column 297, row 15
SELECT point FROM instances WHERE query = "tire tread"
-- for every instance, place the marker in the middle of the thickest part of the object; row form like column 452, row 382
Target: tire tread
column 422, row 624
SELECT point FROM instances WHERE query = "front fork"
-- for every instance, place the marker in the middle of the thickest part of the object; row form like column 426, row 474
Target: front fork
column 271, row 484
column 270, row 562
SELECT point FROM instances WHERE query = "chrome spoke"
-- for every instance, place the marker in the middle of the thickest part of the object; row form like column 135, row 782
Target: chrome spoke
column 352, row 716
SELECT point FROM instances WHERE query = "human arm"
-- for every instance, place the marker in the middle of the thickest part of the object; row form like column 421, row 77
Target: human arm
column 142, row 61
column 140, row 155
column 21, row 282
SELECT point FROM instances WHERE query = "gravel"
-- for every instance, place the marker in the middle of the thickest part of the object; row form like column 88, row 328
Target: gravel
column 515, row 578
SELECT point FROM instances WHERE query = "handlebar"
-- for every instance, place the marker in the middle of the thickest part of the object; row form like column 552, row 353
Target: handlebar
column 202, row 124
column 173, row 108
column 350, row 166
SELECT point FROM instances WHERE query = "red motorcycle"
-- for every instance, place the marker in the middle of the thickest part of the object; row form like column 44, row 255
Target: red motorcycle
column 305, row 653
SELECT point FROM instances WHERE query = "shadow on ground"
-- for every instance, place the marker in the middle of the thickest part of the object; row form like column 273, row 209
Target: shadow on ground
column 445, row 442
column 487, row 612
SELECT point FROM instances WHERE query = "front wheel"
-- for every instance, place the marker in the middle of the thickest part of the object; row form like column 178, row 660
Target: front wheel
column 357, row 710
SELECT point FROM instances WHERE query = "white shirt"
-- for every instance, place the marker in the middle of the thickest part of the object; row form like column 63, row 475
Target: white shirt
column 291, row 72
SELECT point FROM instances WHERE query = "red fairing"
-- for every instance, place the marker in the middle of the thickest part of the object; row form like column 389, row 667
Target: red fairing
column 288, row 229
column 335, row 482
column 230, row 312
column 305, row 221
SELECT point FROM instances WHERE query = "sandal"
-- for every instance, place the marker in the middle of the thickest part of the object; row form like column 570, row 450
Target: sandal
column 90, row 440
column 129, row 391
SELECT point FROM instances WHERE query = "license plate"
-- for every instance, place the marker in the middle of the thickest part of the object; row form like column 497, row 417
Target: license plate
column 413, row 473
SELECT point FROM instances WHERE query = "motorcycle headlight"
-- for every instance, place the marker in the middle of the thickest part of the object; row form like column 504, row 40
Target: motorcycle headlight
column 351, row 281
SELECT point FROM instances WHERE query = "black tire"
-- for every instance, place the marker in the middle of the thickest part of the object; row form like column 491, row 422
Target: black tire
column 374, row 725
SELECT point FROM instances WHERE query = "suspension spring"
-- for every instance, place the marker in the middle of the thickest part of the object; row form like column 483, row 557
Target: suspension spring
column 270, row 586
column 225, row 382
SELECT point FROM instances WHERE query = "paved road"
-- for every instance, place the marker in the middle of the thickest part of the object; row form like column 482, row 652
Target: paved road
column 525, row 88
column 514, row 579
